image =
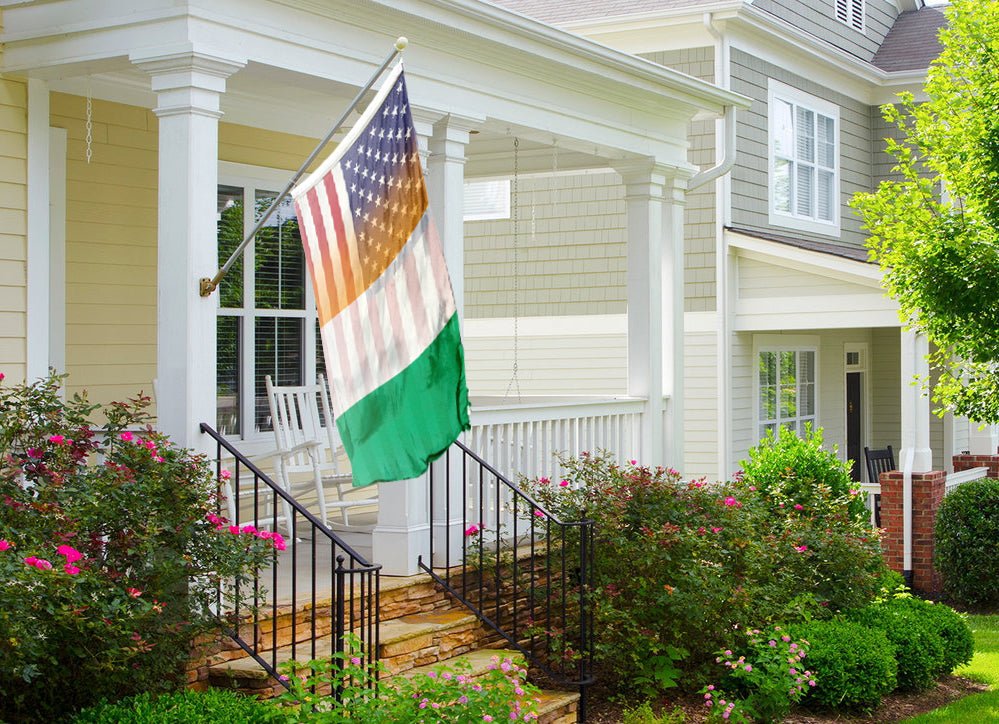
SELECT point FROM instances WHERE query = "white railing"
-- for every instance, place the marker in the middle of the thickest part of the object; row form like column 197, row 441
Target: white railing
column 523, row 438
column 870, row 501
column 956, row 479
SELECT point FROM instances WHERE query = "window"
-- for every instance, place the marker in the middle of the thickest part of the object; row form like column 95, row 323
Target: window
column 804, row 161
column 786, row 389
column 485, row 200
column 851, row 12
column 265, row 308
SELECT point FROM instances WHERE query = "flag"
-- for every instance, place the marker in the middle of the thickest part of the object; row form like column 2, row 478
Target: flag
column 386, row 309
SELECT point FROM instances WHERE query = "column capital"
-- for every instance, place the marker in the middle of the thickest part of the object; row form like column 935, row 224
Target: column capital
column 186, row 80
column 649, row 178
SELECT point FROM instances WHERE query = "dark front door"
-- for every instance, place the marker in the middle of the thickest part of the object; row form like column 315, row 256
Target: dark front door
column 853, row 432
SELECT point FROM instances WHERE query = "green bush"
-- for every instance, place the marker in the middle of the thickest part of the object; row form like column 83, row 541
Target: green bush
column 789, row 470
column 680, row 566
column 919, row 647
column 110, row 553
column 214, row 706
column 953, row 630
column 967, row 543
column 854, row 665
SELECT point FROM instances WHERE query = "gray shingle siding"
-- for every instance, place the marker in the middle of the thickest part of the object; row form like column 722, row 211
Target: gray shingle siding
column 818, row 18
column 750, row 188
column 700, row 211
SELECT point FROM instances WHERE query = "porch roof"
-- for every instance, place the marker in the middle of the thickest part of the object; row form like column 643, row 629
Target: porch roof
column 303, row 58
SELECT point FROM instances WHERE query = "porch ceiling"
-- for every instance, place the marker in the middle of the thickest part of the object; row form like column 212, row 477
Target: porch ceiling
column 305, row 59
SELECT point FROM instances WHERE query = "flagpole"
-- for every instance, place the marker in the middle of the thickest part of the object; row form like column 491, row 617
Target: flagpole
column 206, row 285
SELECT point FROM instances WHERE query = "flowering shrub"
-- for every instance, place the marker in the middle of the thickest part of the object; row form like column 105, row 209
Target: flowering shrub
column 110, row 553
column 762, row 684
column 678, row 565
column 447, row 694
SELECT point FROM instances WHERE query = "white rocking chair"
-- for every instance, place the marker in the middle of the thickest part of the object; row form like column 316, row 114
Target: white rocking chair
column 307, row 446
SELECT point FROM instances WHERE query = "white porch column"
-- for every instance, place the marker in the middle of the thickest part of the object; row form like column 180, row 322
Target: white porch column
column 447, row 194
column 915, row 454
column 402, row 533
column 446, row 185
column 188, row 86
column 654, row 194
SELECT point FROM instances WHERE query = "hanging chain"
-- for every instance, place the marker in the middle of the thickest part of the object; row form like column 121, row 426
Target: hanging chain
column 514, row 380
column 90, row 123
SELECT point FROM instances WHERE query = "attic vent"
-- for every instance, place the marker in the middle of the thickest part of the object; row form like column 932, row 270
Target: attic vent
column 851, row 12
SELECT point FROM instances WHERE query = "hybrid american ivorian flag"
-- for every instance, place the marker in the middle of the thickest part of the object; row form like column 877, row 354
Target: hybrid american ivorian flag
column 389, row 324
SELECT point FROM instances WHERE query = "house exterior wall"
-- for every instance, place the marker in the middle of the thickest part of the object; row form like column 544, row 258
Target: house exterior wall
column 700, row 422
column 750, row 188
column 882, row 162
column 760, row 280
column 559, row 357
column 13, row 228
column 110, row 247
column 571, row 249
column 881, row 384
column 819, row 19
column 886, row 388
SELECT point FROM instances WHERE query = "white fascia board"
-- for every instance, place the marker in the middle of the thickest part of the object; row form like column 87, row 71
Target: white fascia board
column 826, row 319
column 805, row 260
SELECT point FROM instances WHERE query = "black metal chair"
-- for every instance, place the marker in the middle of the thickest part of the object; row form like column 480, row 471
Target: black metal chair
column 878, row 461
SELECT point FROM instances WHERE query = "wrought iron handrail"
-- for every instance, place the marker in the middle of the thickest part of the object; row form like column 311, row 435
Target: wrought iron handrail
column 353, row 584
column 514, row 564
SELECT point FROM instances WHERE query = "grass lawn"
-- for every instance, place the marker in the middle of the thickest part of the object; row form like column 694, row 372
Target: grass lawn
column 984, row 668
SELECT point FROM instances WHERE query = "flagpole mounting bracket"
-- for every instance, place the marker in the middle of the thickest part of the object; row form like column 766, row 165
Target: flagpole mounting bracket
column 206, row 286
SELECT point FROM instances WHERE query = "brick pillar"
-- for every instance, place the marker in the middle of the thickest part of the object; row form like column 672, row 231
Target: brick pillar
column 966, row 462
column 927, row 493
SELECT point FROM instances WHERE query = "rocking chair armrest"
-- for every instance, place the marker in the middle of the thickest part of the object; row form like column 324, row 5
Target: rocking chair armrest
column 307, row 446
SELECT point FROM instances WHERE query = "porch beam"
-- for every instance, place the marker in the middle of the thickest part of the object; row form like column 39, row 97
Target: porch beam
column 188, row 87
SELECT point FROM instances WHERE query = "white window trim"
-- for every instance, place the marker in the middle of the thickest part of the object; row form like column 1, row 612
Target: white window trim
column 260, row 178
column 784, row 343
column 776, row 89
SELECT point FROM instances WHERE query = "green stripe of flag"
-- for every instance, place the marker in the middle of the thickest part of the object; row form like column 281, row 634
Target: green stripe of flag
column 423, row 408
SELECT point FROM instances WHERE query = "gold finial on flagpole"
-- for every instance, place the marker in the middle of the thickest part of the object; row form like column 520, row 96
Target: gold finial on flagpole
column 401, row 42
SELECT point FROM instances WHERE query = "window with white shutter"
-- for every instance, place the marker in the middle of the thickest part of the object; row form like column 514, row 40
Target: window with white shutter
column 804, row 161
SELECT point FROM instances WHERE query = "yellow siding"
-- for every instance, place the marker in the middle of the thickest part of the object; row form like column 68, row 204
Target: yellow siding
column 110, row 248
column 13, row 222
column 111, row 216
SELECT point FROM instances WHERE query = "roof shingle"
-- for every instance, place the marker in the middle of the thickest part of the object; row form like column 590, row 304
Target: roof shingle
column 912, row 42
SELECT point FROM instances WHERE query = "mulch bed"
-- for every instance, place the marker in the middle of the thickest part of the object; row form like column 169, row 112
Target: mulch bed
column 895, row 707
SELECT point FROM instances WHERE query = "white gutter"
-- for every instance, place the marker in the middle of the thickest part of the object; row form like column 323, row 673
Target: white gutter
column 728, row 159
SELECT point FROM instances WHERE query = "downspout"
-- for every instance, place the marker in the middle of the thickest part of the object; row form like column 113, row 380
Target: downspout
column 725, row 138
column 907, row 465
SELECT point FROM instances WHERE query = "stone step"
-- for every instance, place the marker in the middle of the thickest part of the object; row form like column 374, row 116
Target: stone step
column 558, row 707
column 480, row 661
column 405, row 643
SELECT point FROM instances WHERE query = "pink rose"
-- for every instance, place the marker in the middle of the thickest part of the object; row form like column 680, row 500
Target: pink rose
column 133, row 592
column 126, row 436
column 56, row 439
column 71, row 554
column 564, row 484
column 4, row 545
column 71, row 569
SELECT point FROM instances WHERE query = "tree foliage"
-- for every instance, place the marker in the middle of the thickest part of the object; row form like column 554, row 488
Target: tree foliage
column 935, row 227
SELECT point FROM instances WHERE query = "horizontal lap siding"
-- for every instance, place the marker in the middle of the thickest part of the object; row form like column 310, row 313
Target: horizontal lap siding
column 759, row 280
column 884, row 163
column 13, row 223
column 886, row 389
column 573, row 364
column 700, row 415
column 111, row 212
column 750, row 190
column 818, row 18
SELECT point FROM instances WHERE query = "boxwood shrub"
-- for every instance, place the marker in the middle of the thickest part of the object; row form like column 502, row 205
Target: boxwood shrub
column 967, row 543
column 214, row 706
column 951, row 627
column 919, row 647
column 854, row 665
